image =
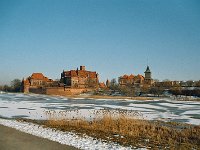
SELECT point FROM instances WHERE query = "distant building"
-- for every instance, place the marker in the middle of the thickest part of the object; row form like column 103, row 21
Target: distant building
column 147, row 79
column 136, row 81
column 35, row 81
column 130, row 80
column 80, row 78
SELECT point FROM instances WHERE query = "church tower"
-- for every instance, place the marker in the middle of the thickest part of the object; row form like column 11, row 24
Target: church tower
column 147, row 73
column 148, row 80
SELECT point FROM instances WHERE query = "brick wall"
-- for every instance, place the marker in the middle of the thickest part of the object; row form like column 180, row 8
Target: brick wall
column 64, row 92
column 59, row 91
column 37, row 90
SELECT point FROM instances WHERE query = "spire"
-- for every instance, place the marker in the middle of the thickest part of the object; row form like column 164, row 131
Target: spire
column 147, row 70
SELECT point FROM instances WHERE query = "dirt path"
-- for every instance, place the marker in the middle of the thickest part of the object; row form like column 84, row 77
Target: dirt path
column 12, row 139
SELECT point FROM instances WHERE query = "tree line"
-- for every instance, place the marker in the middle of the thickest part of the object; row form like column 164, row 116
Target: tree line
column 186, row 92
column 128, row 90
column 155, row 90
column 15, row 86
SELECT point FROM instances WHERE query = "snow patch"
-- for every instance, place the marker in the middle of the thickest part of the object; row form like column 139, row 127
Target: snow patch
column 66, row 138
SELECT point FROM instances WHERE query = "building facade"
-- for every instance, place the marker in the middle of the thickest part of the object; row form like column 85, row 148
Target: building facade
column 79, row 78
column 131, row 80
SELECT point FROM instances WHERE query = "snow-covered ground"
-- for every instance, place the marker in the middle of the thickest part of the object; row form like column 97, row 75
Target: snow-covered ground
column 34, row 106
column 67, row 138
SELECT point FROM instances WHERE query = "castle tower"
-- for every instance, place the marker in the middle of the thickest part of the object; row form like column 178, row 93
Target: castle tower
column 147, row 73
column 24, row 86
column 148, row 80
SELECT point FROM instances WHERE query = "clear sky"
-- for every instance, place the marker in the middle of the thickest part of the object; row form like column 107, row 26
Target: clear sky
column 112, row 37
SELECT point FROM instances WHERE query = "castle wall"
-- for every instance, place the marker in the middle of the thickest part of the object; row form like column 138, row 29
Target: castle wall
column 37, row 90
column 58, row 91
column 65, row 91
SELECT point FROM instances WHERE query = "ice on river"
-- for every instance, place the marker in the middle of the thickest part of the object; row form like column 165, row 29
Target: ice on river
column 34, row 106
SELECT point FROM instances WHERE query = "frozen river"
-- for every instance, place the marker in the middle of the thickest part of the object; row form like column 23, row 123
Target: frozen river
column 34, row 107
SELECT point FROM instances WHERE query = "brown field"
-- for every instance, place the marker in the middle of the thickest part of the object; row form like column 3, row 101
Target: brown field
column 121, row 127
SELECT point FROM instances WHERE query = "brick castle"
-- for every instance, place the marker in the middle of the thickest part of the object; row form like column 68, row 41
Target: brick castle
column 71, row 82
column 79, row 81
column 80, row 78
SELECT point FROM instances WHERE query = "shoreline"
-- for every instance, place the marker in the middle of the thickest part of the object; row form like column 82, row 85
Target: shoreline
column 112, row 97
column 87, row 96
column 109, row 97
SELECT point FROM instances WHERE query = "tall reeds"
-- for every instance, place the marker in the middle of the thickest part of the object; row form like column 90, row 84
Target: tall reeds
column 125, row 128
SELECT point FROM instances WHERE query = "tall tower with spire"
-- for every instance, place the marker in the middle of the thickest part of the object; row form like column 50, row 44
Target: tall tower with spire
column 148, row 80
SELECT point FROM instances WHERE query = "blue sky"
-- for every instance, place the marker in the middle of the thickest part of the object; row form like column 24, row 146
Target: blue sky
column 112, row 37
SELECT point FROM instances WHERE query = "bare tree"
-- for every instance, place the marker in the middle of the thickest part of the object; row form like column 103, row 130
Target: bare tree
column 15, row 85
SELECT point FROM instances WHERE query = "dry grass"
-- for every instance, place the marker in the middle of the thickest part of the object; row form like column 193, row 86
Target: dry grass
column 121, row 127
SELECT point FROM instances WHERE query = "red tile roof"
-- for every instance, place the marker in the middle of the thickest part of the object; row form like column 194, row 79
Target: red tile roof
column 81, row 73
column 73, row 73
column 140, row 77
column 127, row 76
column 102, row 85
column 131, row 76
column 39, row 76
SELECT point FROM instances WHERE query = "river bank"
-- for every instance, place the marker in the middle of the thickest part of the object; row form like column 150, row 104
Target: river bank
column 142, row 98
column 85, row 96
column 111, row 97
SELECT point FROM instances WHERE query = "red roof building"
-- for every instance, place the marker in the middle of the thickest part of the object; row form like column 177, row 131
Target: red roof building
column 36, row 80
column 130, row 80
column 136, row 81
column 80, row 78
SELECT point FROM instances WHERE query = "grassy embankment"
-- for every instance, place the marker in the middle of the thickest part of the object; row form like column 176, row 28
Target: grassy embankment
column 121, row 127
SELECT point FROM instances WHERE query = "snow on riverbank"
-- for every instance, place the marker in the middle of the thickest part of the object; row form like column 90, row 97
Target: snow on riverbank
column 67, row 138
